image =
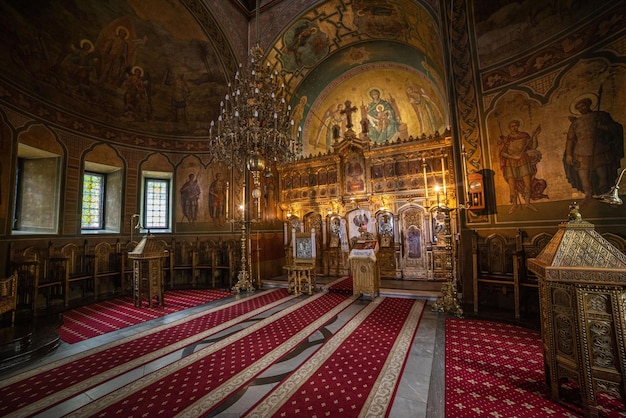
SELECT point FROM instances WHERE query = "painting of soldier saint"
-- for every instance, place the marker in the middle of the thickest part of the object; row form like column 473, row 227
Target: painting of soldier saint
column 594, row 147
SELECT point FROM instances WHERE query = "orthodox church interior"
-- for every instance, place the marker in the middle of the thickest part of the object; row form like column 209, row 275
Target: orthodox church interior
column 252, row 144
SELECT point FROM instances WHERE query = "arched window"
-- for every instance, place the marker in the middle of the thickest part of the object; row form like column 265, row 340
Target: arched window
column 37, row 182
column 102, row 186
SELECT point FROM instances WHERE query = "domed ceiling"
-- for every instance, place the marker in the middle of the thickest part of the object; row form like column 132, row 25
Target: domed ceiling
column 152, row 73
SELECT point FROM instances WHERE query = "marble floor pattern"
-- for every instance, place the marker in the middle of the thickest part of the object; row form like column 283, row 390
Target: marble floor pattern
column 420, row 392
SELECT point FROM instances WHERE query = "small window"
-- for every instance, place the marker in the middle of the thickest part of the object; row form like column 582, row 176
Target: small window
column 157, row 204
column 36, row 204
column 94, row 187
column 101, row 200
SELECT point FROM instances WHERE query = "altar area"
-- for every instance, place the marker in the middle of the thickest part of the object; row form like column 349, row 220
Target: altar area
column 395, row 191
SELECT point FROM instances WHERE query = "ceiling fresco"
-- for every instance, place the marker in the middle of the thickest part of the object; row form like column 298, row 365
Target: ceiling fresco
column 157, row 70
column 395, row 102
column 520, row 25
column 412, row 89
column 143, row 66
column 316, row 35
column 340, row 51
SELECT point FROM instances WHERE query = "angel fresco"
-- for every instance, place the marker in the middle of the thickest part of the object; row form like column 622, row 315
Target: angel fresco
column 136, row 96
column 428, row 116
column 333, row 126
column 78, row 69
column 114, row 57
column 305, row 45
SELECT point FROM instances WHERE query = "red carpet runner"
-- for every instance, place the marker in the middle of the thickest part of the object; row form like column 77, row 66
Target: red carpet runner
column 30, row 392
column 100, row 318
column 356, row 372
column 197, row 383
column 343, row 285
column 496, row 369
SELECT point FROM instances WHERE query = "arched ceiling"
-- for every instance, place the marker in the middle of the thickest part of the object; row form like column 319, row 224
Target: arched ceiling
column 155, row 71
column 338, row 51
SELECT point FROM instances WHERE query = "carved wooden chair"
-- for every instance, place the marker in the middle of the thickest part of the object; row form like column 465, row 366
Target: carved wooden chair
column 496, row 269
column 8, row 296
column 528, row 301
column 28, row 265
column 203, row 263
column 126, row 265
column 184, row 257
column 107, row 270
column 79, row 273
column 223, row 263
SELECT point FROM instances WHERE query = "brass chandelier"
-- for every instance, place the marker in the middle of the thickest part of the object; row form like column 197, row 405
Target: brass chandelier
column 254, row 125
column 254, row 130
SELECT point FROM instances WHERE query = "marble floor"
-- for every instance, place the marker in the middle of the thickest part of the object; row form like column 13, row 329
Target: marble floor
column 420, row 393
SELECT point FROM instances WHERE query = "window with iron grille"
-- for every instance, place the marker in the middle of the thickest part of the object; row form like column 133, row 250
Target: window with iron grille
column 157, row 204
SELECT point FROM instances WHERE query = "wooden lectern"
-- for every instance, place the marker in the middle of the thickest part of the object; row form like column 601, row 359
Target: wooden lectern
column 147, row 272
column 364, row 268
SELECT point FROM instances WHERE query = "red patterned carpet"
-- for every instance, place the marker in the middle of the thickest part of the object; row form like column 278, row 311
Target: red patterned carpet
column 100, row 318
column 496, row 370
column 343, row 285
column 197, row 383
column 356, row 372
column 31, row 392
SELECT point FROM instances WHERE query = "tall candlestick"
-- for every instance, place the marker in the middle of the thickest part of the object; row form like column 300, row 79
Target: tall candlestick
column 227, row 198
column 425, row 179
column 464, row 164
column 443, row 176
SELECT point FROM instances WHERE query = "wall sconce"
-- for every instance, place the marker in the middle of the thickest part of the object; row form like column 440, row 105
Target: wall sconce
column 612, row 197
column 476, row 191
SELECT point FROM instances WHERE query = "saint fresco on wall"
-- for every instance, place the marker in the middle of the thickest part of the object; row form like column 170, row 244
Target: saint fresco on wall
column 594, row 148
column 202, row 194
column 519, row 157
column 542, row 158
